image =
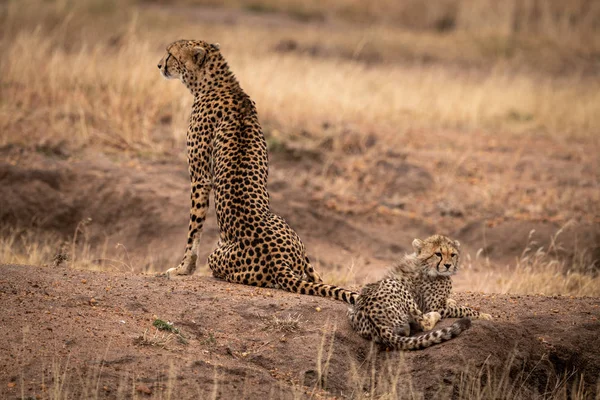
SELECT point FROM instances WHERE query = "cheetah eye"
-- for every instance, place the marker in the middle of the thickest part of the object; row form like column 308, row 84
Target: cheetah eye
column 453, row 254
column 438, row 254
column 173, row 57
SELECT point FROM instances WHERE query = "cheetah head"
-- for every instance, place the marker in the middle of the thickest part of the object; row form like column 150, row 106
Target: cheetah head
column 437, row 255
column 185, row 59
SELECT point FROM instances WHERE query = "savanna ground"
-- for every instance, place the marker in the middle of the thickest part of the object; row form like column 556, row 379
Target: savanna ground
column 385, row 121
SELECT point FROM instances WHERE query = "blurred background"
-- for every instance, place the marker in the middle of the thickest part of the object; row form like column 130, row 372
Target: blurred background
column 385, row 120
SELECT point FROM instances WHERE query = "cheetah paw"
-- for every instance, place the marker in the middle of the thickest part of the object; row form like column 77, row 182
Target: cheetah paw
column 430, row 319
column 485, row 316
column 167, row 274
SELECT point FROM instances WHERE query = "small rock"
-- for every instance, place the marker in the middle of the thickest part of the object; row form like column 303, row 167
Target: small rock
column 143, row 389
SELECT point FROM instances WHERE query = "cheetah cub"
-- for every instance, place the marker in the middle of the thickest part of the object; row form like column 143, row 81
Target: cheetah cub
column 419, row 283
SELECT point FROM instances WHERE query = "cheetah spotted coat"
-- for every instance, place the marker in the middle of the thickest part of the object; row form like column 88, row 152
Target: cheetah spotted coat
column 227, row 153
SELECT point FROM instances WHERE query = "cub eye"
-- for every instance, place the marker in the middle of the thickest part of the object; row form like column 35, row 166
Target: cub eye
column 438, row 254
column 453, row 254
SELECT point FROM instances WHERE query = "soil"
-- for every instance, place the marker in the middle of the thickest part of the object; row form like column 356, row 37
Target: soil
column 85, row 333
column 69, row 333
column 136, row 211
column 72, row 333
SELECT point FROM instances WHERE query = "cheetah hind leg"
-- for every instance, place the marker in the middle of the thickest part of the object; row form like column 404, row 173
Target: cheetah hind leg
column 311, row 274
column 402, row 329
column 219, row 260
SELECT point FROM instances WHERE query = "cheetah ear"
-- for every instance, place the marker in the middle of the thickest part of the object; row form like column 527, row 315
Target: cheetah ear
column 198, row 54
column 417, row 245
column 216, row 46
column 457, row 244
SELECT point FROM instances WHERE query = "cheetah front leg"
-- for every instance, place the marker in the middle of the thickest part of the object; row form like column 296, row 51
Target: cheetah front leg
column 200, row 200
column 453, row 310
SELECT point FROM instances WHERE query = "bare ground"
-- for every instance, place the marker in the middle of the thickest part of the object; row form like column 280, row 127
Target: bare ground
column 133, row 212
column 70, row 333
column 84, row 333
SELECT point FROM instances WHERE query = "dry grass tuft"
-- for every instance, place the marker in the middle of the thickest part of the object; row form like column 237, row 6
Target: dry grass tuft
column 290, row 323
column 540, row 271
column 156, row 339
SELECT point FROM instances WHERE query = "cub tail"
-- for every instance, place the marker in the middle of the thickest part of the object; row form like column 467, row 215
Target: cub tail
column 425, row 340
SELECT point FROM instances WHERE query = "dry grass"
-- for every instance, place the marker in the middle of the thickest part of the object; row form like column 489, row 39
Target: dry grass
column 87, row 88
column 83, row 75
column 538, row 270
column 156, row 339
column 38, row 247
column 555, row 19
column 290, row 323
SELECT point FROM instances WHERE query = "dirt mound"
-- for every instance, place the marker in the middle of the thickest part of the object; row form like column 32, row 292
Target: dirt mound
column 82, row 334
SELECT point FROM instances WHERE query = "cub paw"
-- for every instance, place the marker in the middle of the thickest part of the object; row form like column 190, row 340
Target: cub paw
column 485, row 316
column 430, row 319
column 450, row 303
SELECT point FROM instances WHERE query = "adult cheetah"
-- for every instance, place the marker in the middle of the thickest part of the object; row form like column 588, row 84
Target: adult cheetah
column 419, row 283
column 227, row 153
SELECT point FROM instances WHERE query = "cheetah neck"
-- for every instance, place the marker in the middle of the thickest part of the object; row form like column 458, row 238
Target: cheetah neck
column 406, row 267
column 214, row 75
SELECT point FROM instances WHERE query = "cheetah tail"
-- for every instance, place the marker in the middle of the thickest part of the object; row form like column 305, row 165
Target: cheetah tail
column 430, row 338
column 293, row 284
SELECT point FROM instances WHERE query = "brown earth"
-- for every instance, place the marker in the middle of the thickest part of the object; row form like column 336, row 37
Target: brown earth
column 136, row 211
column 84, row 334
column 69, row 333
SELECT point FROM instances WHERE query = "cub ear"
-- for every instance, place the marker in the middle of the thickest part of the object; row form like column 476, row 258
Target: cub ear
column 417, row 245
column 215, row 46
column 457, row 244
column 198, row 53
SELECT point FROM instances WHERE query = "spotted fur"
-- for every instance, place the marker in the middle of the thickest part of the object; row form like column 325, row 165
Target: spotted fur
column 419, row 283
column 227, row 153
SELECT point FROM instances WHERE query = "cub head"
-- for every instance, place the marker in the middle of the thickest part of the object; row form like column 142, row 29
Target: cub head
column 437, row 255
column 185, row 59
